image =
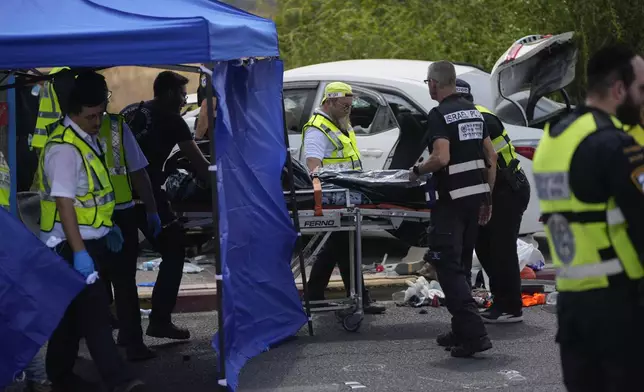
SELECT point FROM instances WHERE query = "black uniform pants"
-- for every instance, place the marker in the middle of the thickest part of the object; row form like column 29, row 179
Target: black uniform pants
column 496, row 246
column 601, row 341
column 452, row 235
column 120, row 271
column 86, row 317
column 171, row 244
column 335, row 251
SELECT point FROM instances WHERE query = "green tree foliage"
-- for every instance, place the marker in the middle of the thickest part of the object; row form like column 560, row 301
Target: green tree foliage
column 473, row 31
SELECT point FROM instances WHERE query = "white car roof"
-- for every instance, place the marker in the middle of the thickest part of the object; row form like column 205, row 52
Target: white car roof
column 405, row 75
column 372, row 68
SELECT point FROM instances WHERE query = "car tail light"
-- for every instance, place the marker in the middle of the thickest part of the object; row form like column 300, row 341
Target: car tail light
column 526, row 148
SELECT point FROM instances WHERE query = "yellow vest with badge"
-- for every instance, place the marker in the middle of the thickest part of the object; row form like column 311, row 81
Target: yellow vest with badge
column 502, row 144
column 588, row 241
column 112, row 133
column 637, row 132
column 93, row 209
column 5, row 185
column 48, row 111
column 345, row 155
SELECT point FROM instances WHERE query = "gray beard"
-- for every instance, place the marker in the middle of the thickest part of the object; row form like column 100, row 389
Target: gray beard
column 344, row 123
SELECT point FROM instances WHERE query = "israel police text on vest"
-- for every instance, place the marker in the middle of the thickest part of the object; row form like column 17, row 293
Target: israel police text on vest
column 95, row 208
column 464, row 176
column 111, row 133
column 48, row 111
column 588, row 241
column 345, row 155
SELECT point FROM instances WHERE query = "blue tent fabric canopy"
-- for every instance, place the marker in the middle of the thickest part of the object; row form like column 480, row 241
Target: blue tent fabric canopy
column 44, row 33
column 261, row 303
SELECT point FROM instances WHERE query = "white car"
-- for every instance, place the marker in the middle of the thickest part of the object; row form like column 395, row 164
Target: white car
column 391, row 102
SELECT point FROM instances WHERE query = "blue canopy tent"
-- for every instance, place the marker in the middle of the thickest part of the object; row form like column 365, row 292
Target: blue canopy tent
column 261, row 305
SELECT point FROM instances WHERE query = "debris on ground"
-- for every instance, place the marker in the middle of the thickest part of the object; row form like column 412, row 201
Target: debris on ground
column 153, row 265
column 420, row 293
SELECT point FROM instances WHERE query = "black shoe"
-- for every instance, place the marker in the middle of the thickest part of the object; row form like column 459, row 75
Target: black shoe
column 373, row 308
column 168, row 331
column 139, row 352
column 468, row 349
column 446, row 339
column 497, row 316
column 131, row 386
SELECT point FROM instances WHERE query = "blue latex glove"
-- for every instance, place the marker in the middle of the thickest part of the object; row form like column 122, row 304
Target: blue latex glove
column 154, row 224
column 83, row 263
column 114, row 239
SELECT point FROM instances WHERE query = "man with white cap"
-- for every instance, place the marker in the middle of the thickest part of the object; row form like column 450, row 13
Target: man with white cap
column 328, row 142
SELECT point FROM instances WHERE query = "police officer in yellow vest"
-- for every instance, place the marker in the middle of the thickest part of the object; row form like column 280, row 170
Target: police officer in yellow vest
column 77, row 205
column 5, row 182
column 329, row 143
column 126, row 165
column 496, row 245
column 590, row 181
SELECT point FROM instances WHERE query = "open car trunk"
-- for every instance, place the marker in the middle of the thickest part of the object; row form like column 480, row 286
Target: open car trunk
column 532, row 68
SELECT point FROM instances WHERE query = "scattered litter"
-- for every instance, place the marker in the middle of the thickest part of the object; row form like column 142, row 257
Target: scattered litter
column 146, row 284
column 552, row 298
column 527, row 273
column 529, row 255
column 202, row 259
column 420, row 293
column 512, row 375
column 354, row 385
column 482, row 297
column 423, row 311
column 153, row 265
column 533, row 299
column 145, row 313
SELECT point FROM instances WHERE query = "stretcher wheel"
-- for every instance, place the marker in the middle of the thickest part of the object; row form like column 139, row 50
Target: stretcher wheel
column 341, row 314
column 352, row 322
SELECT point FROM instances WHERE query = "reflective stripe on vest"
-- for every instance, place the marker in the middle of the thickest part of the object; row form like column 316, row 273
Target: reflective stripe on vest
column 637, row 132
column 48, row 111
column 468, row 190
column 345, row 154
column 502, row 144
column 112, row 133
column 5, row 185
column 588, row 241
column 93, row 209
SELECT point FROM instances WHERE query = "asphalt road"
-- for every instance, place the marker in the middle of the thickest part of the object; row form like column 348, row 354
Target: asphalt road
column 392, row 352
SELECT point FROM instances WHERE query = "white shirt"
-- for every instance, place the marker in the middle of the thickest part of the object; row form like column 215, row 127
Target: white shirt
column 316, row 144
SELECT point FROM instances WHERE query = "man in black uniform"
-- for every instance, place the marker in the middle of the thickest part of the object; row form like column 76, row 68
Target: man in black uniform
column 496, row 246
column 158, row 127
column 590, row 180
column 461, row 156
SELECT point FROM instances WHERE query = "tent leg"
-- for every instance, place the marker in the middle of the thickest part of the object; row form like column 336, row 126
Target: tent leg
column 215, row 219
column 12, row 159
column 296, row 221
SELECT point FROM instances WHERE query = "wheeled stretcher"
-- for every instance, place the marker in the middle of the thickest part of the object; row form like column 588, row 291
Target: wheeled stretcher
column 320, row 222
column 352, row 219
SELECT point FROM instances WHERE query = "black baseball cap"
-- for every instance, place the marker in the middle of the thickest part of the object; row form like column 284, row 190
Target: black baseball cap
column 463, row 88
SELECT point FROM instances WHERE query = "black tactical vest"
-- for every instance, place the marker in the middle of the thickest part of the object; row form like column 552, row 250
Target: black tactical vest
column 464, row 176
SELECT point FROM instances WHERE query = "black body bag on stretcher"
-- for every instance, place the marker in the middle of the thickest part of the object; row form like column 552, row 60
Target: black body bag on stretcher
column 384, row 188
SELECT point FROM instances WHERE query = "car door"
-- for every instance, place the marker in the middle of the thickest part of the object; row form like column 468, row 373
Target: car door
column 299, row 101
column 375, row 126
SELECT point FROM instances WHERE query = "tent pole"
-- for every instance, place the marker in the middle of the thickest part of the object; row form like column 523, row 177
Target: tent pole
column 296, row 221
column 215, row 219
column 12, row 159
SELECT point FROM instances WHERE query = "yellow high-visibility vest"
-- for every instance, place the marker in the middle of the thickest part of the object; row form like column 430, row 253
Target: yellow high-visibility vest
column 345, row 154
column 502, row 144
column 94, row 208
column 588, row 241
column 112, row 132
